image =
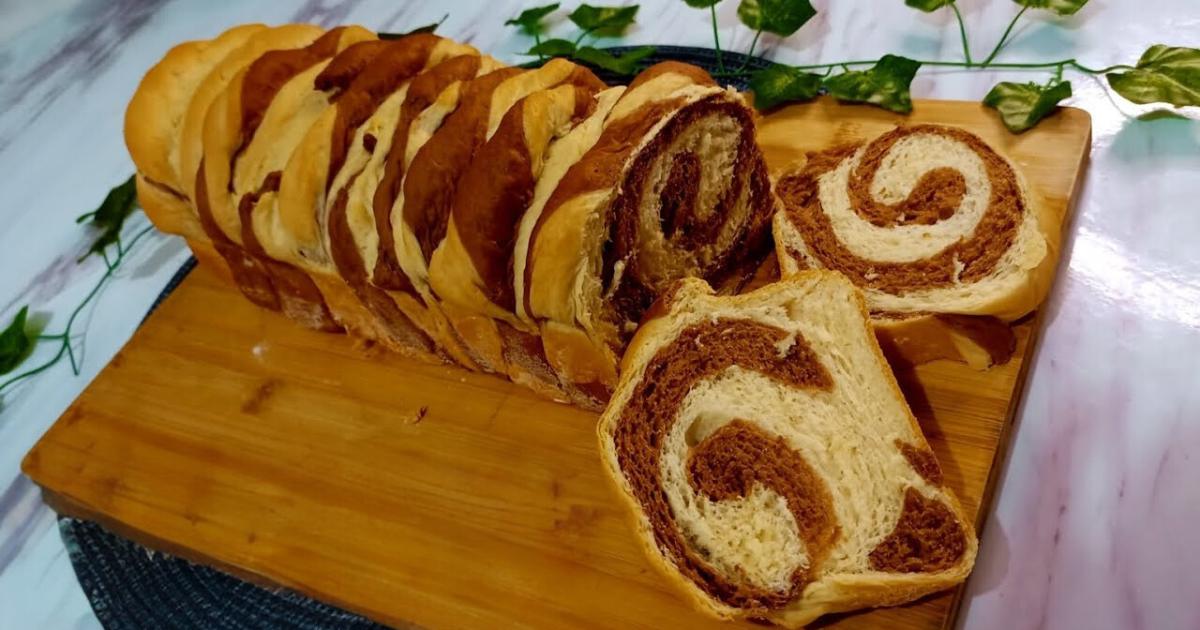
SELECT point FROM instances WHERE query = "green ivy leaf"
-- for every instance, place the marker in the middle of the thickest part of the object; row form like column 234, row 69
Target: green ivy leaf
column 14, row 342
column 783, row 84
column 928, row 6
column 886, row 84
column 625, row 64
column 604, row 21
column 1061, row 7
column 1164, row 74
column 701, row 4
column 781, row 17
column 1162, row 114
column 530, row 20
column 111, row 215
column 553, row 48
column 1022, row 105
column 428, row 28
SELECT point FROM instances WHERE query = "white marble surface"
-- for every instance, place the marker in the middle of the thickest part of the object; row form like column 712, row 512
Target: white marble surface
column 1094, row 522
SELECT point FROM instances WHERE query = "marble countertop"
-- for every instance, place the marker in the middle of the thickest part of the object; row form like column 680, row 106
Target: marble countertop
column 1093, row 526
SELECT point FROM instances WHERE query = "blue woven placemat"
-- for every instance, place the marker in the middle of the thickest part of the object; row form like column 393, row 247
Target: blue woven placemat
column 132, row 587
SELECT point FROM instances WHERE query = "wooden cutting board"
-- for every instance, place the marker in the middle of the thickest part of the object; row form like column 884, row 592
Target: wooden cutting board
column 428, row 495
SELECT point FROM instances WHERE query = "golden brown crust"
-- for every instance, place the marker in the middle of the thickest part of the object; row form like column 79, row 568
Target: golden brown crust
column 379, row 75
column 395, row 63
column 207, row 256
column 267, row 74
column 695, row 74
column 189, row 151
column 498, row 187
column 230, row 127
column 249, row 274
column 153, row 118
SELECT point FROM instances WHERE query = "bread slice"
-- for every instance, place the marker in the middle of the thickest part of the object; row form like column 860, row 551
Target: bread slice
column 925, row 219
column 421, row 214
column 472, row 270
column 308, row 224
column 251, row 129
column 772, row 465
column 671, row 184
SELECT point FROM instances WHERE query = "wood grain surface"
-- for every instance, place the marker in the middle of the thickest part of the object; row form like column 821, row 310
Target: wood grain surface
column 429, row 496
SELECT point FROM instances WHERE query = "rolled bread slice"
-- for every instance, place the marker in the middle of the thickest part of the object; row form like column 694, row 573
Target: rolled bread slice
column 316, row 118
column 772, row 465
column 672, row 184
column 472, row 270
column 925, row 219
column 294, row 224
column 250, row 131
column 363, row 253
column 187, row 152
column 421, row 212
column 430, row 98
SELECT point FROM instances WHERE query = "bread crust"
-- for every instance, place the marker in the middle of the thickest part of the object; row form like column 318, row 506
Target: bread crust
column 155, row 112
column 189, row 150
column 168, row 211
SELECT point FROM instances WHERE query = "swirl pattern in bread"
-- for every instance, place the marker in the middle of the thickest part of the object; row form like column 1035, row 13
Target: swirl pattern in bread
column 672, row 185
column 925, row 218
column 771, row 462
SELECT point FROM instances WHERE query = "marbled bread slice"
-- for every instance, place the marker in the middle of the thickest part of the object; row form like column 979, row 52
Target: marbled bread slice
column 772, row 465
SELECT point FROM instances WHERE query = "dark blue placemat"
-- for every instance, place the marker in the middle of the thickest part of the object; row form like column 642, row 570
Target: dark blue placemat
column 131, row 587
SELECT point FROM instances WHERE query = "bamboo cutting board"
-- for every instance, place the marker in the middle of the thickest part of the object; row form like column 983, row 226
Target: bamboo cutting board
column 427, row 495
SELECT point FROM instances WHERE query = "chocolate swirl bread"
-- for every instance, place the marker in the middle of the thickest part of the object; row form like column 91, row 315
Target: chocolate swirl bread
column 773, row 467
column 418, row 194
column 933, row 224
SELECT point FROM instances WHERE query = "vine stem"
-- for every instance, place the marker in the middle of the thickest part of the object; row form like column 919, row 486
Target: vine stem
column 1004, row 37
column 717, row 38
column 65, row 336
column 954, row 64
column 962, row 31
column 750, row 55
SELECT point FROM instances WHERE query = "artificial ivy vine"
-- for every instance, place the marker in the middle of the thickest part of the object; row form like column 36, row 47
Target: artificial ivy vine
column 1164, row 74
column 18, row 340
